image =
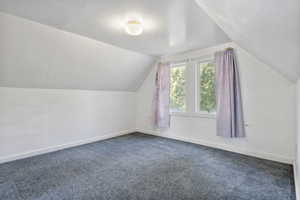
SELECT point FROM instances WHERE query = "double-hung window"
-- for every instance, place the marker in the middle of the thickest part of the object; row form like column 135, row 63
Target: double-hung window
column 192, row 88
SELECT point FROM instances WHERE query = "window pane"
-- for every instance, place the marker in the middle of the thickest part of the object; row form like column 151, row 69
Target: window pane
column 207, row 87
column 177, row 89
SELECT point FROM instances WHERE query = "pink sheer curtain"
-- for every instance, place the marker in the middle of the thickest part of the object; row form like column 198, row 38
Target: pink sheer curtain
column 230, row 116
column 162, row 96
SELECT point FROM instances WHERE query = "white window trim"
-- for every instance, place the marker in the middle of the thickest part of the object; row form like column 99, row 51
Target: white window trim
column 194, row 115
column 197, row 82
column 192, row 89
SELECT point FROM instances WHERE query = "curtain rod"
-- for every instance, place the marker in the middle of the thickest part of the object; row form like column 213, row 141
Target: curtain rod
column 206, row 57
column 178, row 61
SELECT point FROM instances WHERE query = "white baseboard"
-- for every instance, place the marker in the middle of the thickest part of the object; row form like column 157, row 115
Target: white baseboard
column 267, row 156
column 62, row 146
column 296, row 179
column 263, row 155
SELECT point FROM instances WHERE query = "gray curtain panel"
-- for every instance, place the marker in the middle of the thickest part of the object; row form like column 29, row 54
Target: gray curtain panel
column 230, row 116
column 162, row 96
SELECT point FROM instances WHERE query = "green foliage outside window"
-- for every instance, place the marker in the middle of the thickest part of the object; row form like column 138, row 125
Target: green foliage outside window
column 177, row 89
column 207, row 87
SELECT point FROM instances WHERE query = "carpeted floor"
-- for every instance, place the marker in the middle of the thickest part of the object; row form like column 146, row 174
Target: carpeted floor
column 138, row 166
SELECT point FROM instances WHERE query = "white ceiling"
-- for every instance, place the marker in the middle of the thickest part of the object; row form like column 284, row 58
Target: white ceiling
column 33, row 55
column 269, row 29
column 171, row 26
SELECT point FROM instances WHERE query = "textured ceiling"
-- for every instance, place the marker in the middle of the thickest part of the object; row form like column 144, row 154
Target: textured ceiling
column 171, row 26
column 269, row 29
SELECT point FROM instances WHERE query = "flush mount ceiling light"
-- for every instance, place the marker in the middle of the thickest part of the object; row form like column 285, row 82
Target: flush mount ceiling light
column 134, row 27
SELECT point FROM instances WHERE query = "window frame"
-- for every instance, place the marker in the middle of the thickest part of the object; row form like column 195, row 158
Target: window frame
column 198, row 92
column 181, row 64
column 192, row 89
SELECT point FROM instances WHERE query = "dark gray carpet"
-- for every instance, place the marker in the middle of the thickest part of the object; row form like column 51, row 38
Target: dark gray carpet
column 139, row 166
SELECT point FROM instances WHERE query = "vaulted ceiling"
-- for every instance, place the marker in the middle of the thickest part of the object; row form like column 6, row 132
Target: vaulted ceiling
column 34, row 55
column 269, row 29
column 171, row 26
column 81, row 44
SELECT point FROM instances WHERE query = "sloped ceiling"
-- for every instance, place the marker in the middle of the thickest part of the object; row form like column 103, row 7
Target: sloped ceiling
column 33, row 55
column 269, row 29
column 170, row 26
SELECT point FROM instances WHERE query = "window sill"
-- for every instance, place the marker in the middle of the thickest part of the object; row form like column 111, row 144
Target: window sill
column 196, row 115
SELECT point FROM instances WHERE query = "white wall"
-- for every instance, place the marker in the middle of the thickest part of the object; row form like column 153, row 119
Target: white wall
column 269, row 104
column 35, row 121
column 297, row 162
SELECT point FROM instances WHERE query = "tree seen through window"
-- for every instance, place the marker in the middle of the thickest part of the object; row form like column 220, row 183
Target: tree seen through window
column 207, row 87
column 177, row 88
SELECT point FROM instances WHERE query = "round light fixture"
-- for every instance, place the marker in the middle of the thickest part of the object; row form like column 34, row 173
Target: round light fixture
column 134, row 27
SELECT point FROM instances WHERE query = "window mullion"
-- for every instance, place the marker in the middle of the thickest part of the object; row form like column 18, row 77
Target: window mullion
column 197, row 87
column 190, row 87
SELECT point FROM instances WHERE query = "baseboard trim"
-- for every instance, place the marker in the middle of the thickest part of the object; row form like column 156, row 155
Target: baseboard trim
column 62, row 146
column 296, row 179
column 263, row 155
column 267, row 156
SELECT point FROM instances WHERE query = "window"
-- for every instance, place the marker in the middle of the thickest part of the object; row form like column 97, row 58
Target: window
column 192, row 88
column 178, row 88
column 206, row 87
